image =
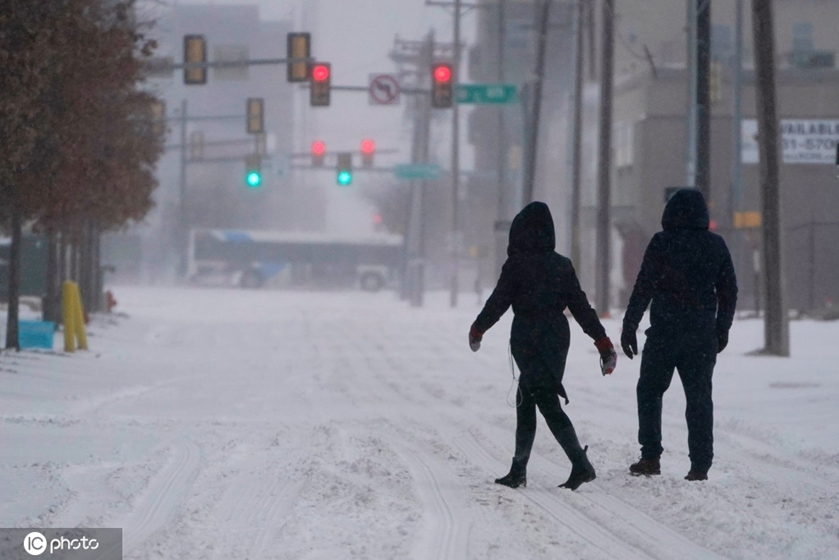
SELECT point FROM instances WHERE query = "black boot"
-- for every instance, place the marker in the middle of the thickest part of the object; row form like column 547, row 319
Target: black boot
column 646, row 467
column 581, row 469
column 516, row 477
column 697, row 474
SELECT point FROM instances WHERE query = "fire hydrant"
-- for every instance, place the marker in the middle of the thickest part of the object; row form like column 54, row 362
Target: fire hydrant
column 110, row 302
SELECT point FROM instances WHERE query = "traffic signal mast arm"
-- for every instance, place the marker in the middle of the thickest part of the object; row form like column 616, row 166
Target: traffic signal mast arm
column 366, row 89
column 232, row 63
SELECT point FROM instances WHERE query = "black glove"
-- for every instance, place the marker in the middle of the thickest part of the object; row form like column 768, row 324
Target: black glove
column 629, row 343
column 722, row 340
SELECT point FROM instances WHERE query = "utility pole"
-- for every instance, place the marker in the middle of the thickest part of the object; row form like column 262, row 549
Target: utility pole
column 420, row 151
column 418, row 56
column 690, row 149
column 182, row 229
column 456, row 240
column 604, row 164
column 776, row 323
column 505, row 199
column 533, row 132
column 577, row 134
column 737, row 114
column 703, row 99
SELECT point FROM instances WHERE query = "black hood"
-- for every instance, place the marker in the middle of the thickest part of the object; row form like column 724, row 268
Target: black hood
column 532, row 230
column 686, row 209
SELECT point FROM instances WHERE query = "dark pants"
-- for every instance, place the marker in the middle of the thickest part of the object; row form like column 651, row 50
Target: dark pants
column 527, row 400
column 694, row 357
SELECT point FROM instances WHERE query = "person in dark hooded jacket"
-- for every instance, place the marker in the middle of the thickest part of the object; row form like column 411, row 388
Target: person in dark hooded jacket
column 688, row 276
column 539, row 284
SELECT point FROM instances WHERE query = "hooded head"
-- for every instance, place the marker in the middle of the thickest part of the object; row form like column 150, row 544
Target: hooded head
column 532, row 230
column 686, row 209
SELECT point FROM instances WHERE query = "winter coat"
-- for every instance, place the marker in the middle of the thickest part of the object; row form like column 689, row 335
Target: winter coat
column 539, row 284
column 686, row 273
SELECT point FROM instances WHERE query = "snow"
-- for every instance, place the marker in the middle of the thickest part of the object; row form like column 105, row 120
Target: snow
column 215, row 423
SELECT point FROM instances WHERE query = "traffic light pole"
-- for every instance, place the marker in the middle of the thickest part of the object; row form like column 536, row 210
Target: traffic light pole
column 456, row 241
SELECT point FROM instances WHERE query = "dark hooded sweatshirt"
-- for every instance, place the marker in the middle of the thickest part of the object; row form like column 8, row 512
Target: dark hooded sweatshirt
column 687, row 273
column 539, row 284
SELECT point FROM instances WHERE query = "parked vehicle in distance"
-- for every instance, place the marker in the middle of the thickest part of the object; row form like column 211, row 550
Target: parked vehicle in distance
column 252, row 259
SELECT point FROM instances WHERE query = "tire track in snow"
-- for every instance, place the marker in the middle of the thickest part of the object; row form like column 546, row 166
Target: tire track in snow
column 609, row 523
column 258, row 508
column 161, row 499
column 597, row 536
column 444, row 537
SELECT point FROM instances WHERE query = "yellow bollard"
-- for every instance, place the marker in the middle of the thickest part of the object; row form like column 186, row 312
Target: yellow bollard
column 69, row 316
column 81, row 335
column 71, row 306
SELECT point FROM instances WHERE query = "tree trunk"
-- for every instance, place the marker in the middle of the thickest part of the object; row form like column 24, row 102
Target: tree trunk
column 12, row 339
column 50, row 303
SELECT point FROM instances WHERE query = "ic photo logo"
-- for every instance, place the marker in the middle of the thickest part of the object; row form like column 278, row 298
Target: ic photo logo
column 35, row 543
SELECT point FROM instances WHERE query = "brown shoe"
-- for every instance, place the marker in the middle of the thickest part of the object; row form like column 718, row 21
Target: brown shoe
column 646, row 467
column 696, row 475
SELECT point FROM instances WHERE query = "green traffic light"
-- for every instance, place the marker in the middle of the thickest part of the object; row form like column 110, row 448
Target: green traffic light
column 253, row 179
column 344, row 178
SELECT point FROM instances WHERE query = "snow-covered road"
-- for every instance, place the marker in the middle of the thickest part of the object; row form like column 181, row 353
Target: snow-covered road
column 274, row 424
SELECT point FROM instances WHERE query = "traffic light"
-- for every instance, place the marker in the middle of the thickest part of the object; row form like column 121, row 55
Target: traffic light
column 255, row 115
column 318, row 151
column 344, row 176
column 442, row 85
column 368, row 148
column 195, row 52
column 253, row 171
column 320, row 85
column 298, row 45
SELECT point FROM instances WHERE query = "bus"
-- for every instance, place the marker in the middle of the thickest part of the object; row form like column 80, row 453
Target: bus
column 251, row 259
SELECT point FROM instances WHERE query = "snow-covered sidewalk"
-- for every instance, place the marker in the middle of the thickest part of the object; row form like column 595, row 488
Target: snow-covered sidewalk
column 273, row 424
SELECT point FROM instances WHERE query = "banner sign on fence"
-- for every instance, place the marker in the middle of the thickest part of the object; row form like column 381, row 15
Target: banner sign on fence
column 803, row 141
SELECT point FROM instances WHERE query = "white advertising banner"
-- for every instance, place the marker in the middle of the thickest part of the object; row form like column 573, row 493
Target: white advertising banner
column 810, row 141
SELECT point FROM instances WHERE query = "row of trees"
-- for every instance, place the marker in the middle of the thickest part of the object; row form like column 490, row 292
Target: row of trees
column 79, row 144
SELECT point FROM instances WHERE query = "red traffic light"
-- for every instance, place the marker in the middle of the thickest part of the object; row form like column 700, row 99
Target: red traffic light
column 367, row 147
column 318, row 147
column 442, row 73
column 320, row 72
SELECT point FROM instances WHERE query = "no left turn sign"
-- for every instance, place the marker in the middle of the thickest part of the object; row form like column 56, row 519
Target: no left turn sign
column 384, row 89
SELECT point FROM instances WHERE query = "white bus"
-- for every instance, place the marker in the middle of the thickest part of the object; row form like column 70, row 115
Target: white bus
column 251, row 259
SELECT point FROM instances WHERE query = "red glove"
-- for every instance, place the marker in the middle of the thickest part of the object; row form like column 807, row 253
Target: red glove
column 608, row 356
column 475, row 337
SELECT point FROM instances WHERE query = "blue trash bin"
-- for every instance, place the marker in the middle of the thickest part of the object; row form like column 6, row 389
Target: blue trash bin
column 36, row 334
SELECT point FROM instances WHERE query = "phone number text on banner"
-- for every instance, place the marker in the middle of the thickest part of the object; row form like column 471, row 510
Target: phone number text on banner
column 803, row 141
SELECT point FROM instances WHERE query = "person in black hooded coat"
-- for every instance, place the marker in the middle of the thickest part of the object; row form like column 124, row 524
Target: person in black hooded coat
column 539, row 284
column 688, row 276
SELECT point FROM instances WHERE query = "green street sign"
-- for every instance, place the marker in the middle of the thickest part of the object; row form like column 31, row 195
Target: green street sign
column 484, row 94
column 411, row 171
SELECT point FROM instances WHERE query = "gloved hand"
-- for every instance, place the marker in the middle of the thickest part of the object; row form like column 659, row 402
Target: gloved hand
column 629, row 343
column 475, row 338
column 608, row 356
column 722, row 340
